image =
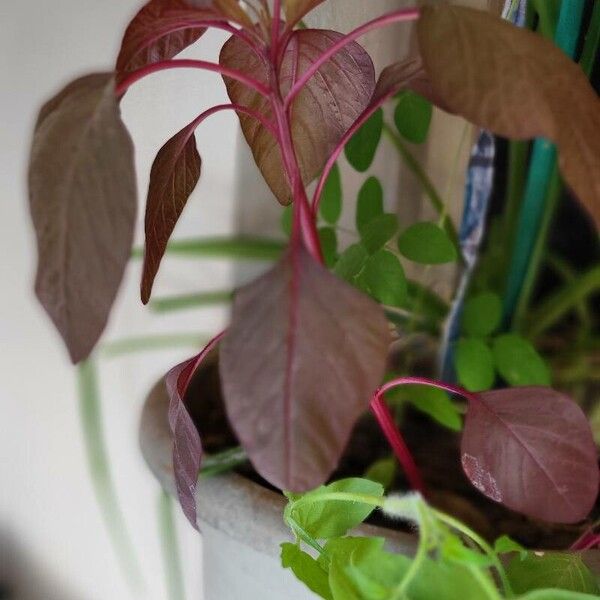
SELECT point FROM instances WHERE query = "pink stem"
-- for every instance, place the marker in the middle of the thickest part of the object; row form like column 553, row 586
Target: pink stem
column 214, row 24
column 275, row 24
column 397, row 443
column 587, row 541
column 237, row 108
column 163, row 65
column 410, row 14
column 303, row 218
column 388, row 425
column 316, row 199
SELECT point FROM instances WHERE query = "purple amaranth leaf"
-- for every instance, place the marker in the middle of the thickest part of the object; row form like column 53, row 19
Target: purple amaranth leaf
column 532, row 449
column 187, row 446
column 298, row 365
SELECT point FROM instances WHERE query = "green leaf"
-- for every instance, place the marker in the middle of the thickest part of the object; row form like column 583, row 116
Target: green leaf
column 518, row 362
column 328, row 239
column 382, row 471
column 287, row 219
column 564, row 571
column 328, row 519
column 482, row 314
column 379, row 231
column 360, row 150
column 451, row 582
column 557, row 595
column 340, row 584
column 351, row 262
column 347, row 550
column 474, row 363
column 385, row 278
column 453, row 550
column 435, row 403
column 331, row 198
column 306, row 569
column 505, row 545
column 427, row 243
column 369, row 204
column 413, row 116
column 378, row 574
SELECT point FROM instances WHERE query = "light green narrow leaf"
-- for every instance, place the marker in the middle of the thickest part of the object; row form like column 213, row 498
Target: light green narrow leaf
column 287, row 219
column 435, row 403
column 426, row 243
column 351, row 262
column 474, row 363
column 331, row 198
column 369, row 204
column 384, row 276
column 328, row 239
column 482, row 314
column 360, row 150
column 382, row 471
column 413, row 116
column 379, row 232
column 170, row 547
column 518, row 362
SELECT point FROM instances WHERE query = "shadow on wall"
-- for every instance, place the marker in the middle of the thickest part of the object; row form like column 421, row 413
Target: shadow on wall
column 23, row 579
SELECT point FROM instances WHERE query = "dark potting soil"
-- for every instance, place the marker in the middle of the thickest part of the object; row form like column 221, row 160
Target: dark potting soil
column 435, row 449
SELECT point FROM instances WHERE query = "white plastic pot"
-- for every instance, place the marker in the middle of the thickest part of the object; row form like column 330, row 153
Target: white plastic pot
column 240, row 521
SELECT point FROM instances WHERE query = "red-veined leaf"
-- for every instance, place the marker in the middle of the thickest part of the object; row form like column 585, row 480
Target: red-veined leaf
column 82, row 193
column 174, row 175
column 321, row 113
column 518, row 85
column 302, row 356
column 296, row 9
column 159, row 31
column 532, row 449
column 187, row 446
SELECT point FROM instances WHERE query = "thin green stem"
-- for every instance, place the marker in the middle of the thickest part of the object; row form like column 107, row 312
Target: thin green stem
column 98, row 462
column 592, row 41
column 558, row 305
column 415, row 167
column 239, row 248
column 469, row 533
column 420, row 557
column 222, row 462
column 187, row 301
column 170, row 548
column 148, row 343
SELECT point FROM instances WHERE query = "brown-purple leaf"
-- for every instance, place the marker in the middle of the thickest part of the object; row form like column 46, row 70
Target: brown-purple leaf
column 321, row 113
column 302, row 356
column 518, row 85
column 296, row 9
column 187, row 446
column 532, row 449
column 159, row 31
column 82, row 192
column 174, row 175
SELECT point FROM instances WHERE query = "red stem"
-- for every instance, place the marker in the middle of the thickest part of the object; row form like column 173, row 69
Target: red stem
column 275, row 25
column 237, row 108
column 396, row 441
column 388, row 425
column 163, row 65
column 410, row 14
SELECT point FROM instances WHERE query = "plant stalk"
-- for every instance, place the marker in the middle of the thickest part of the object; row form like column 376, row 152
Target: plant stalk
column 98, row 462
column 170, row 548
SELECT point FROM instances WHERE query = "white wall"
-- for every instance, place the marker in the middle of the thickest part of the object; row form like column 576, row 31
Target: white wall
column 49, row 521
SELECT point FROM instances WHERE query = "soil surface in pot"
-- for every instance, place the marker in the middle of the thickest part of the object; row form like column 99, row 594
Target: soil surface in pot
column 435, row 449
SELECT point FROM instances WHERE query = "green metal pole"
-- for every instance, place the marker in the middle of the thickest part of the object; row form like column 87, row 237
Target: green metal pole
column 540, row 173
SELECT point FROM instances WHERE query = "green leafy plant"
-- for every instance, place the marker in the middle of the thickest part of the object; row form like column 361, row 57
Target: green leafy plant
column 451, row 561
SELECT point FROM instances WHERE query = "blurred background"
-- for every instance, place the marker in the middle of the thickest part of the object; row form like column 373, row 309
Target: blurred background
column 52, row 540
